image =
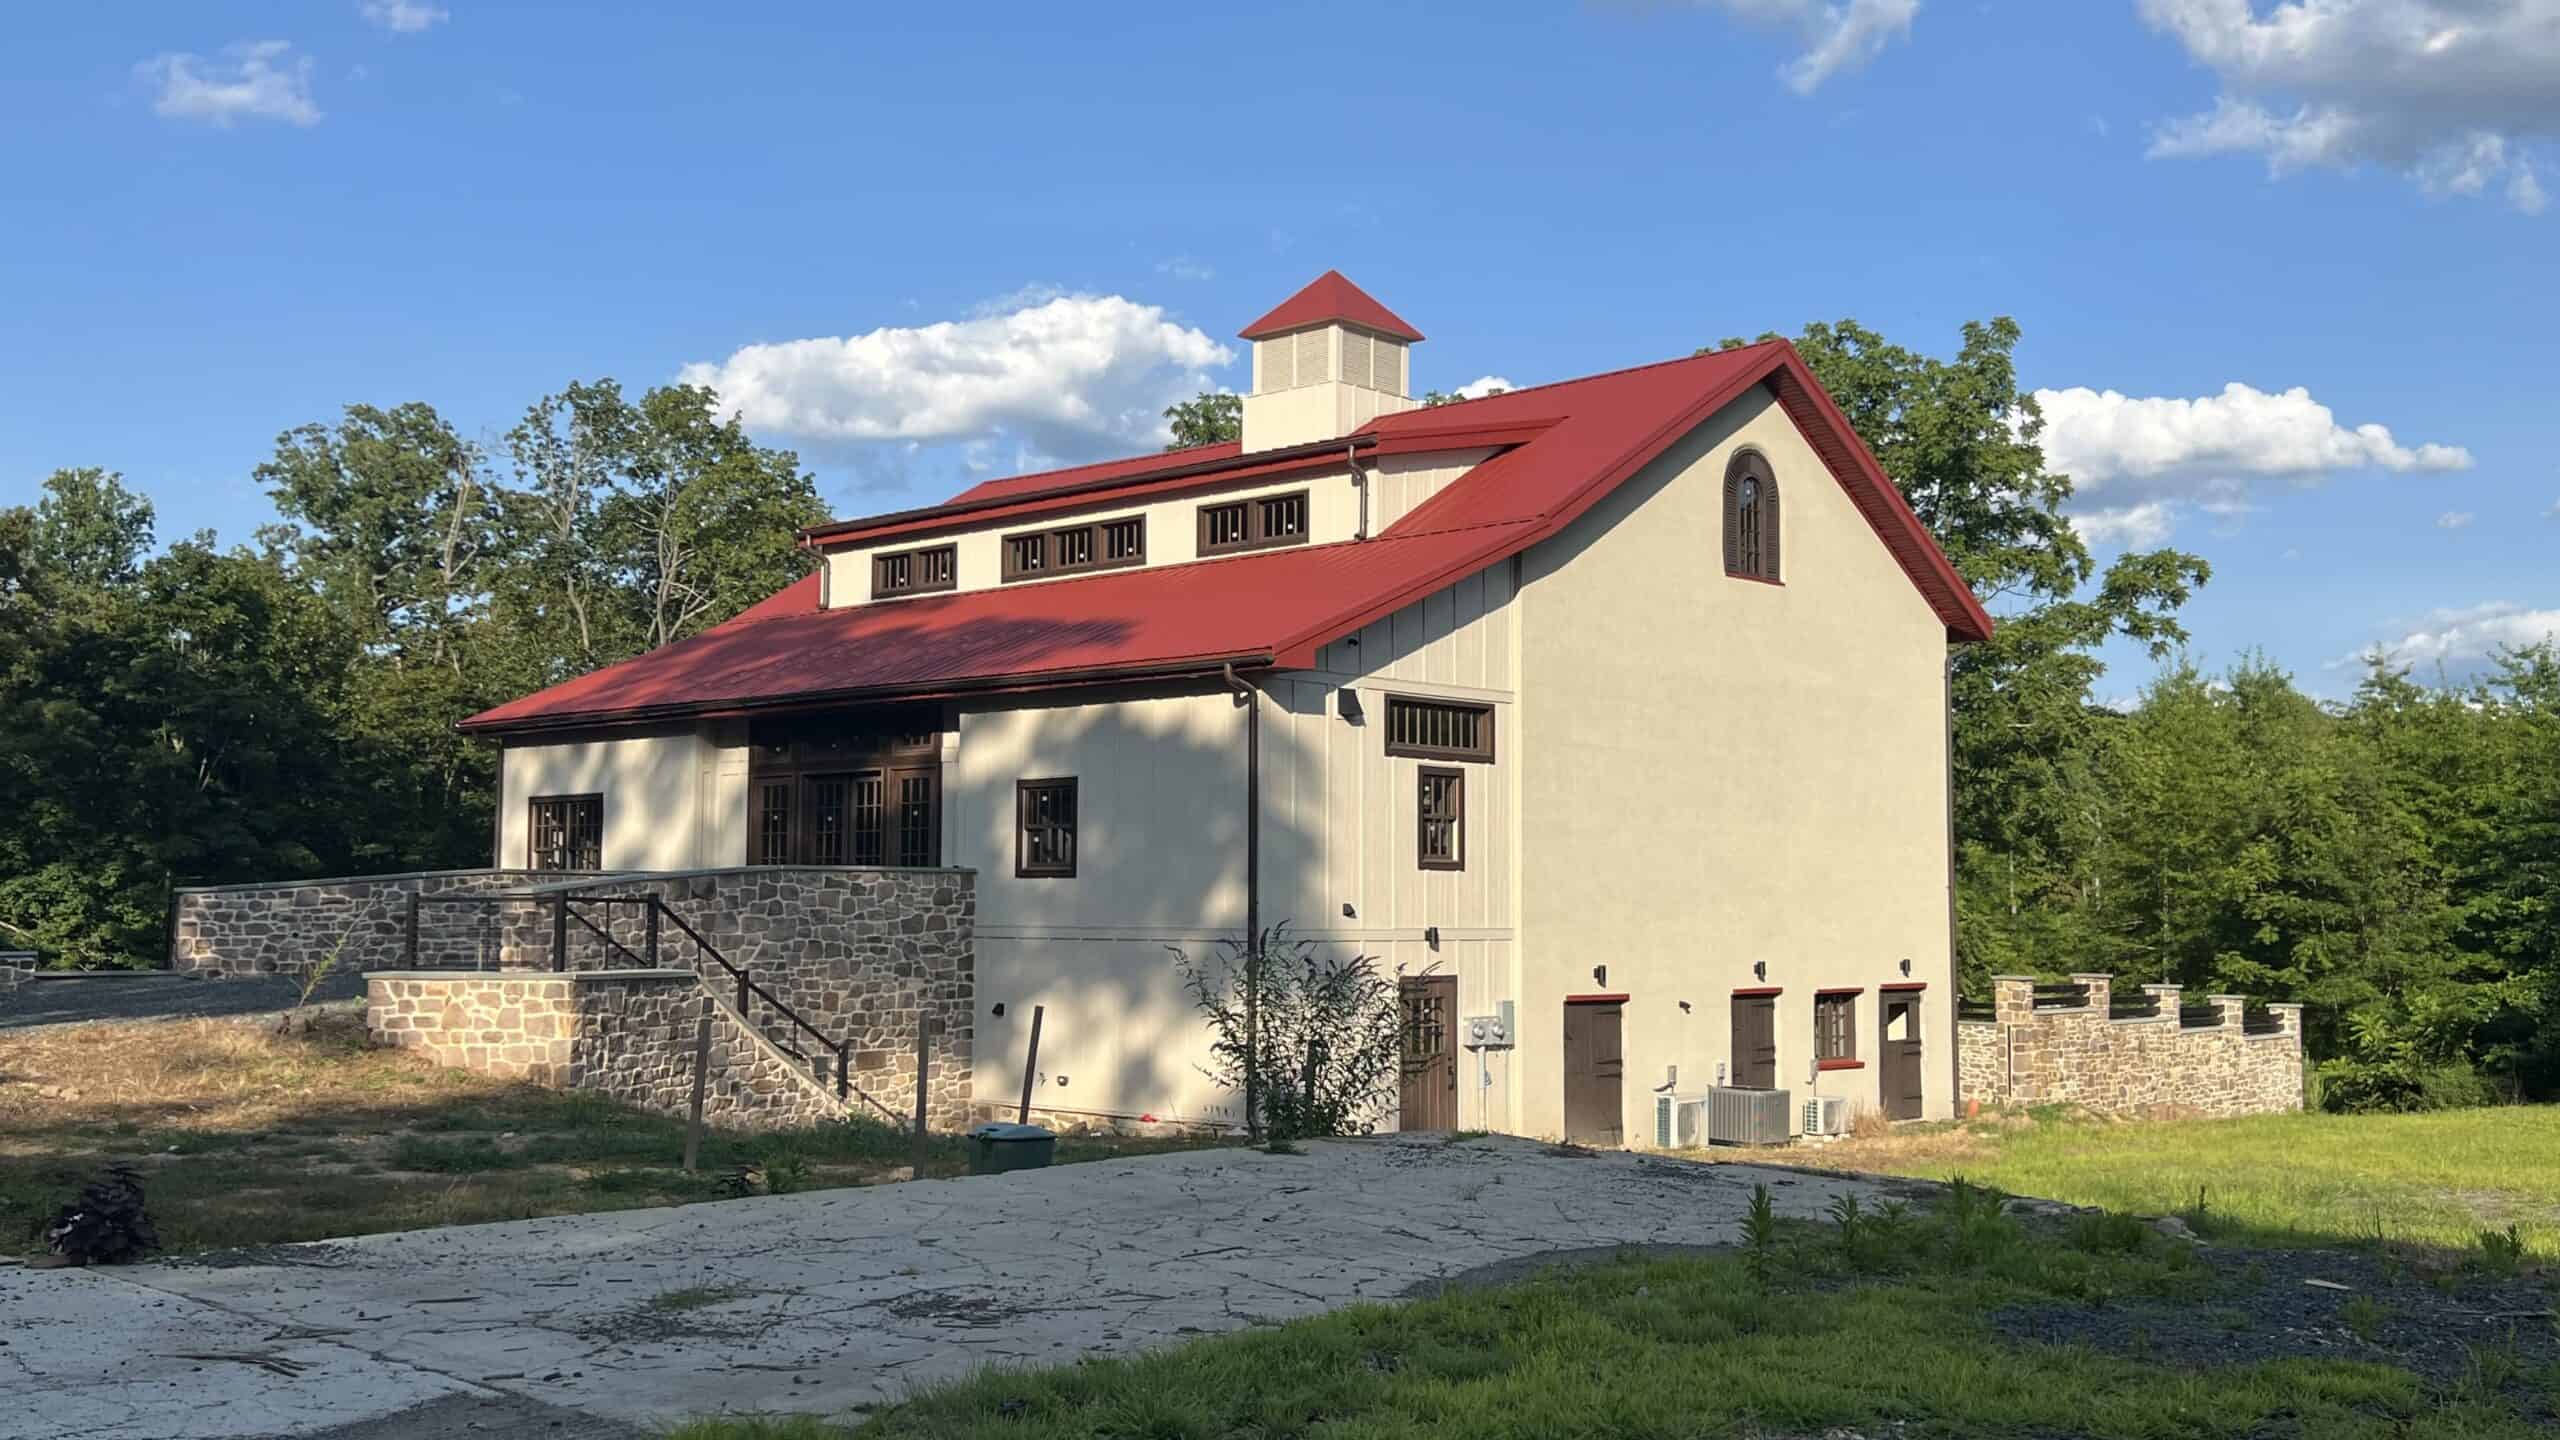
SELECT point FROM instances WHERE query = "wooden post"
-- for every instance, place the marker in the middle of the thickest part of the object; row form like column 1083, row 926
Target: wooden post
column 560, row 933
column 924, row 1075
column 701, row 1075
column 1031, row 1063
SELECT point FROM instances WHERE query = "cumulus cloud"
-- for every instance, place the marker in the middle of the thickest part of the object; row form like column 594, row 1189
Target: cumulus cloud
column 405, row 17
column 2137, row 461
column 1483, row 385
column 2464, row 638
column 253, row 80
column 1070, row 376
column 2448, row 92
column 1837, row 34
column 2454, row 519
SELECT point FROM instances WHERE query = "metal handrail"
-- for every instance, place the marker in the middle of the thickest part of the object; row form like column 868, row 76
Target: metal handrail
column 747, row 986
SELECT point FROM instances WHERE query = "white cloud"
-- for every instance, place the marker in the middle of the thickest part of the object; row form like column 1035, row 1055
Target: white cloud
column 1184, row 267
column 2447, row 92
column 2128, row 526
column 2454, row 519
column 2137, row 461
column 1484, row 385
column 1837, row 34
column 405, row 17
column 1069, row 376
column 2456, row 638
column 258, row 80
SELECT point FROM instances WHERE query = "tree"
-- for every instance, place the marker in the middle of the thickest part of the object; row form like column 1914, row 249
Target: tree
column 89, row 528
column 1208, row 418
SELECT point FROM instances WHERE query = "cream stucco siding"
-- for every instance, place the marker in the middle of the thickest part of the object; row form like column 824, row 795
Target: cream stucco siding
column 1725, row 772
column 672, row 801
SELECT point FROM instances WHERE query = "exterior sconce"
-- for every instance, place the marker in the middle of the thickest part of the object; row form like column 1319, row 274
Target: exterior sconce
column 1348, row 700
column 1348, row 913
column 1906, row 964
column 1759, row 969
column 1600, row 976
column 1431, row 936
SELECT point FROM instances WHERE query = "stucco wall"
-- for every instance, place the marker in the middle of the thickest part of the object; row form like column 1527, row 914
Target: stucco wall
column 1727, row 772
column 2137, row 1066
column 672, row 801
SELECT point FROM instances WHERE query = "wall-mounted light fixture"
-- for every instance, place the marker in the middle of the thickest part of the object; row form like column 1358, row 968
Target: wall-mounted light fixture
column 1684, row 1007
column 1348, row 701
column 1906, row 964
column 1348, row 913
column 1431, row 936
column 1600, row 976
column 1759, row 969
column 999, row 1009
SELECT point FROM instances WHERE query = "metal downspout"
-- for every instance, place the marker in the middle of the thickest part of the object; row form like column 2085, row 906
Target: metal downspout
column 1251, row 697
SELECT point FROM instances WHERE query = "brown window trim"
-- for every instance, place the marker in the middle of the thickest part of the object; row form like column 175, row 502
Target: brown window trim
column 1254, row 536
column 533, row 829
column 1903, row 987
column 1457, row 858
column 1757, row 991
column 1848, row 1029
column 916, row 561
column 1483, row 754
column 1764, row 563
column 1049, row 548
column 1023, row 869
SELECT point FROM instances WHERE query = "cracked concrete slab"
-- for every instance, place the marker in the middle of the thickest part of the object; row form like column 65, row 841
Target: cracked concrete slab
column 823, row 1301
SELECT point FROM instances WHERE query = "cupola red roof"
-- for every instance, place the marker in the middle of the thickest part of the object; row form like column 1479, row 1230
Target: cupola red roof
column 1327, row 298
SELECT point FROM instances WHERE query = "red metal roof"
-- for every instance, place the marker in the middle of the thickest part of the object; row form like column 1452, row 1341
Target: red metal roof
column 1330, row 297
column 1564, row 447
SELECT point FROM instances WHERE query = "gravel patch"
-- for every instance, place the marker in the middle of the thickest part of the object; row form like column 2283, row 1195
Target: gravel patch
column 155, row 995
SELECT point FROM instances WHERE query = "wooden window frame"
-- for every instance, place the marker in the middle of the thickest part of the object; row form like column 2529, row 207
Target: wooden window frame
column 1760, row 561
column 1482, row 754
column 533, row 832
column 1023, row 868
column 1256, row 533
column 882, row 589
column 1052, row 540
column 1456, row 859
column 1845, row 1003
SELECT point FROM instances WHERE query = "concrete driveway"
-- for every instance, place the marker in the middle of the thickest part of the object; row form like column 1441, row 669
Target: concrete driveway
column 814, row 1302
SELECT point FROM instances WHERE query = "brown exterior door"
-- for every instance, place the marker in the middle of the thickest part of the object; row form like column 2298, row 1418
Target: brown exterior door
column 1430, row 1098
column 1595, row 1068
column 1755, row 1042
column 1898, row 1058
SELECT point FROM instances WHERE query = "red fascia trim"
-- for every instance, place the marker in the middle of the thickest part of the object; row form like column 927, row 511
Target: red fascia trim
column 1762, row 990
column 1906, row 985
column 1843, row 990
column 1414, row 439
column 1595, row 999
column 1841, row 1065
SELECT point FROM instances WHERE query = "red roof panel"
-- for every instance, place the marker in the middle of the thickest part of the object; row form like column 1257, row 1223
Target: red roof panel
column 1326, row 298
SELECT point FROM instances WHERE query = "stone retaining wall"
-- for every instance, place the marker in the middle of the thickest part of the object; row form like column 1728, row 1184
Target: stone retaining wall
column 862, row 954
column 629, row 1034
column 292, row 927
column 2079, row 1055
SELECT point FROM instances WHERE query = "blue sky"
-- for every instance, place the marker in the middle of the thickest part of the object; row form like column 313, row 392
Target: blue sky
column 925, row 246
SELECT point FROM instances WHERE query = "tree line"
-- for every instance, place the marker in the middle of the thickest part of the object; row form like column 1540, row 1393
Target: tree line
column 193, row 714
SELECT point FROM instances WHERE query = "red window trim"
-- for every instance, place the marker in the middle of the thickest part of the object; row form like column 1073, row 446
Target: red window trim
column 1595, row 999
column 1762, row 990
column 1906, row 985
column 1843, row 990
column 1842, row 1065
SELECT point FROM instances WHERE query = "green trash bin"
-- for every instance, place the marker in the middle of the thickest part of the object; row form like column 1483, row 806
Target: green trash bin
column 1002, row 1145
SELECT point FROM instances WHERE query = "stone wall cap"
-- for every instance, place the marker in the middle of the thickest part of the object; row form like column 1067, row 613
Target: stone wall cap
column 2243, row 999
column 2021, row 979
column 516, row 974
column 584, row 976
column 642, row 877
column 2093, row 974
column 363, row 879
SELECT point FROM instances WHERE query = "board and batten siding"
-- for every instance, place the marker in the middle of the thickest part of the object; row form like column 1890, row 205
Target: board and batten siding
column 1160, row 801
column 1728, row 772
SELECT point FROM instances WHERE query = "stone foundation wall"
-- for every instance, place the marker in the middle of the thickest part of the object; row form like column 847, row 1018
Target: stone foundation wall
column 292, row 927
column 629, row 1034
column 2026, row 1055
column 862, row 954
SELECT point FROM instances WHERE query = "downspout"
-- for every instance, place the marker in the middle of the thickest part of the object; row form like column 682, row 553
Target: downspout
column 1955, row 972
column 1359, row 482
column 1251, row 698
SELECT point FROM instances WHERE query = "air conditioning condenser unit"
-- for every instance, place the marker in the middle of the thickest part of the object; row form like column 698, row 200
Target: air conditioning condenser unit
column 1736, row 1116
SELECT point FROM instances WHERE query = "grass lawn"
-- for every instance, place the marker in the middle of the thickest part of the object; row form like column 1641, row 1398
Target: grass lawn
column 2436, row 1179
column 1961, row 1322
column 247, row 1137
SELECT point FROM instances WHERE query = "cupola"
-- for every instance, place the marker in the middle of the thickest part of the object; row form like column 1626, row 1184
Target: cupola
column 1326, row 361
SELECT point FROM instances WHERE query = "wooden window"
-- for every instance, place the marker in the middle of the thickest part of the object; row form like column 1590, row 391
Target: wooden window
column 1440, row 830
column 919, row 826
column 1835, row 1025
column 567, row 832
column 1231, row 525
column 1750, row 518
column 915, row 572
column 1101, row 545
column 773, row 822
column 826, row 792
column 1044, row 828
column 1439, row 729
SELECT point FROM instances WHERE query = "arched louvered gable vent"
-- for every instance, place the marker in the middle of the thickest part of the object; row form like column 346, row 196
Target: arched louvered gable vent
column 1751, row 518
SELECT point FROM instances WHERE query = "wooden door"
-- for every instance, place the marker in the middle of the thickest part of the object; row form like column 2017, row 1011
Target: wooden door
column 1755, row 1042
column 1898, row 1065
column 1430, row 1079
column 1595, row 1068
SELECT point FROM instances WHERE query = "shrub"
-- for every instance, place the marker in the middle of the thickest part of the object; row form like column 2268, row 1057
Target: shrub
column 1323, row 1051
column 107, row 1225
